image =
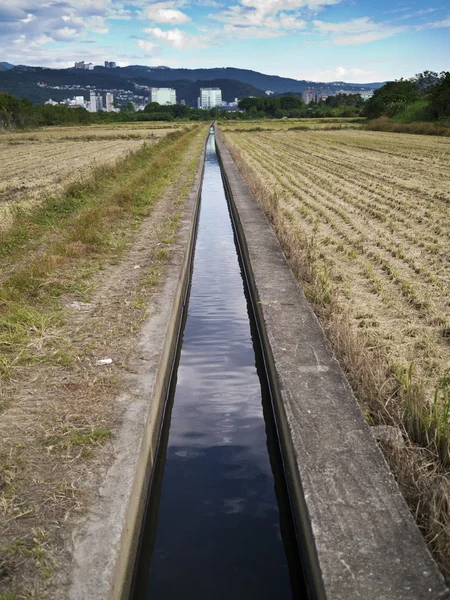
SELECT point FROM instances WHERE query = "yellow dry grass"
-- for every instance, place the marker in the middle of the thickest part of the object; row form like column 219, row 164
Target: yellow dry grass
column 288, row 124
column 40, row 163
column 378, row 209
column 364, row 219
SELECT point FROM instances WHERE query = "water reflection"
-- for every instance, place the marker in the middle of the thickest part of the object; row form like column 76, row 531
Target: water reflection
column 217, row 535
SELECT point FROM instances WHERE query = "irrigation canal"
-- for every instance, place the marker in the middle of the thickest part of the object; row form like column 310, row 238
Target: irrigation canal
column 218, row 524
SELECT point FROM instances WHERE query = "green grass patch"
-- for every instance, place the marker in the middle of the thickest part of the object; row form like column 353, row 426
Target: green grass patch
column 417, row 111
column 441, row 128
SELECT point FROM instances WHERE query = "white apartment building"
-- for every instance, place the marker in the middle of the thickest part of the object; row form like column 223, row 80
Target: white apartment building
column 95, row 102
column 210, row 97
column 163, row 95
column 82, row 65
column 109, row 102
column 309, row 95
column 92, row 102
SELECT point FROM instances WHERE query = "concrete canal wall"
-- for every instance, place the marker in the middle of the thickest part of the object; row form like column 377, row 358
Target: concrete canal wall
column 105, row 548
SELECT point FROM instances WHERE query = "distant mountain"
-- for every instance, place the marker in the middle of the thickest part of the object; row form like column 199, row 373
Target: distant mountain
column 38, row 84
column 22, row 81
column 4, row 66
column 261, row 81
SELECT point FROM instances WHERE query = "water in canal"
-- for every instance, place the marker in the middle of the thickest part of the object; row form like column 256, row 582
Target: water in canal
column 218, row 526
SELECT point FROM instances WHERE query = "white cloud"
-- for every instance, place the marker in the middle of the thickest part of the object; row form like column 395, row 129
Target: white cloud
column 291, row 23
column 417, row 13
column 147, row 46
column 176, row 38
column 163, row 12
column 434, row 25
column 261, row 18
column 357, row 31
column 276, row 6
column 56, row 19
column 237, row 33
column 352, row 74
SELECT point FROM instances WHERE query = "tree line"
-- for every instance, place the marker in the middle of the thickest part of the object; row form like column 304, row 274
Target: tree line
column 293, row 106
column 21, row 113
column 15, row 112
column 423, row 97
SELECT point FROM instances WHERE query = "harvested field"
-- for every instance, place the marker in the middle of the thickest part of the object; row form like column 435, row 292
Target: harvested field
column 293, row 124
column 113, row 131
column 36, row 164
column 364, row 220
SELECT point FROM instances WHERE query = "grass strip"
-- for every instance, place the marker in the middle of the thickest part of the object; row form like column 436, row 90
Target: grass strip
column 53, row 251
column 418, row 128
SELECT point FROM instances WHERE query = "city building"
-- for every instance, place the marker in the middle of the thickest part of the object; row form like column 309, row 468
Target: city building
column 83, row 65
column 95, row 102
column 110, row 64
column 109, row 102
column 308, row 95
column 75, row 102
column 92, row 102
column 230, row 106
column 321, row 96
column 163, row 95
column 210, row 97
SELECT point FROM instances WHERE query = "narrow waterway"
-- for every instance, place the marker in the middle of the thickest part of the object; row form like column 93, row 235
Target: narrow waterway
column 218, row 525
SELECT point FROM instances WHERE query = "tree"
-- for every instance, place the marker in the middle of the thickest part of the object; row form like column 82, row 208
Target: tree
column 128, row 107
column 426, row 80
column 152, row 107
column 391, row 98
column 439, row 96
column 288, row 103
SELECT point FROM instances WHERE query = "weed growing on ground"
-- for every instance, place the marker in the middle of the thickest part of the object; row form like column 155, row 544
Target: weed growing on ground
column 85, row 223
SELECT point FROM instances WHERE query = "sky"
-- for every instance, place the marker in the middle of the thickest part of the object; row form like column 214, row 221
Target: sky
column 319, row 40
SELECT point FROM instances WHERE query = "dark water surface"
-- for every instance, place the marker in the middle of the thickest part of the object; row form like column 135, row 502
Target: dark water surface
column 214, row 529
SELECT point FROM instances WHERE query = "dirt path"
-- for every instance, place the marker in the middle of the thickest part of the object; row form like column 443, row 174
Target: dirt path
column 57, row 436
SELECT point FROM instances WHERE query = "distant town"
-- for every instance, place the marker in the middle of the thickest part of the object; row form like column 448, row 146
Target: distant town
column 110, row 100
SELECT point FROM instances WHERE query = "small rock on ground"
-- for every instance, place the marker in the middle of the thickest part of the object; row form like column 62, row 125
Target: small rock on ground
column 388, row 434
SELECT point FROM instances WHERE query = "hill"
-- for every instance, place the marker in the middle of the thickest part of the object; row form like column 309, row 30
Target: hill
column 4, row 66
column 259, row 80
column 39, row 84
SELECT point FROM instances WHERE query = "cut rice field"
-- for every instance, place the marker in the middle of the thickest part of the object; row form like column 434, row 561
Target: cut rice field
column 38, row 163
column 364, row 219
column 331, row 123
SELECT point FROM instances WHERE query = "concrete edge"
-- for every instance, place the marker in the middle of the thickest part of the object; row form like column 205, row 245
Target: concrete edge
column 104, row 550
column 361, row 540
column 302, row 524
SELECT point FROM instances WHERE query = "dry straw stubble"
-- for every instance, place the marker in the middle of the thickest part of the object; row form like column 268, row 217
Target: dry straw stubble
column 363, row 218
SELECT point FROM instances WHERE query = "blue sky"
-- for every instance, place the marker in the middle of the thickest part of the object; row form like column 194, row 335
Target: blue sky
column 325, row 40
